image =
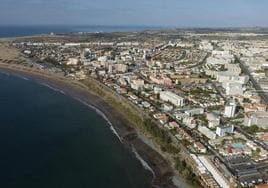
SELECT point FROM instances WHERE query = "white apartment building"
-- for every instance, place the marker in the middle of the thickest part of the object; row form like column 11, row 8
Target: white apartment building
column 222, row 130
column 168, row 96
column 233, row 89
column 257, row 118
column 194, row 111
column 207, row 132
column 233, row 68
column 230, row 109
column 226, row 76
column 213, row 120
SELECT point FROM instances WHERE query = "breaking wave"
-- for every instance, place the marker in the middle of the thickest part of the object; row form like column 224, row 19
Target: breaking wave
column 115, row 132
column 103, row 116
column 5, row 73
column 22, row 77
column 142, row 161
column 53, row 88
column 13, row 74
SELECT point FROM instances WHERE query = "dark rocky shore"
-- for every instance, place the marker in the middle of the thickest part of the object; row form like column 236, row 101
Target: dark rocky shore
column 162, row 172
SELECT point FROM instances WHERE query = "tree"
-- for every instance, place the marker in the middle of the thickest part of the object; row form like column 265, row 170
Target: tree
column 252, row 129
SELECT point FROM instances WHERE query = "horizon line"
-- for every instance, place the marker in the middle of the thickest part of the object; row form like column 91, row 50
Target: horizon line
column 133, row 26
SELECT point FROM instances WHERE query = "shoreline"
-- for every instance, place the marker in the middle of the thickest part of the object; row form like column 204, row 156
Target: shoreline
column 162, row 173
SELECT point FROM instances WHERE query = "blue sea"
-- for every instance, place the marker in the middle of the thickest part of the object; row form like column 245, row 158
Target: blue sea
column 50, row 140
column 18, row 31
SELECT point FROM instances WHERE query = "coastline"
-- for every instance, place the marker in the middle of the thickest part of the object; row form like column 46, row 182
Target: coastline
column 128, row 135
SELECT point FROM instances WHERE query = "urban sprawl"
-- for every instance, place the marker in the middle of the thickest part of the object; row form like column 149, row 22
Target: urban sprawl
column 208, row 90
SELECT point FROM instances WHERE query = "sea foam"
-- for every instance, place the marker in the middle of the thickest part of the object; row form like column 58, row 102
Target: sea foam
column 142, row 161
column 5, row 73
column 53, row 88
column 137, row 155
column 22, row 77
column 103, row 116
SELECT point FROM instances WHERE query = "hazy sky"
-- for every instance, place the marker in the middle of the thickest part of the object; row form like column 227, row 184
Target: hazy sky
column 180, row 13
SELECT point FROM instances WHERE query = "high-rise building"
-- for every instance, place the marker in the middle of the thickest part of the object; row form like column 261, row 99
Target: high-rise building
column 230, row 109
column 256, row 118
column 222, row 130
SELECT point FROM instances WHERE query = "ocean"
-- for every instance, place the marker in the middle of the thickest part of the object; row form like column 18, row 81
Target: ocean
column 49, row 139
column 18, row 31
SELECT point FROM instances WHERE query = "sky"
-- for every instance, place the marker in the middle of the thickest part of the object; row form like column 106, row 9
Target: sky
column 166, row 13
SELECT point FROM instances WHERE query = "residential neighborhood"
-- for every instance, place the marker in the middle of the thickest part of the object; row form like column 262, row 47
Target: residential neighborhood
column 208, row 92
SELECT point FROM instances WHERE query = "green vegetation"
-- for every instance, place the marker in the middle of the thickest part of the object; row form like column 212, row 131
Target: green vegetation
column 161, row 136
column 239, row 140
column 148, row 126
column 187, row 172
column 133, row 115
column 200, row 93
column 240, row 116
column 259, row 71
column 51, row 60
column 170, row 149
column 212, row 108
column 256, row 153
column 155, row 131
column 185, row 143
column 202, row 118
column 253, row 129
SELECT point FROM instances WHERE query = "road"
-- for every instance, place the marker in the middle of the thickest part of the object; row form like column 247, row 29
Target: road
column 252, row 138
column 218, row 90
column 203, row 61
column 257, row 87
